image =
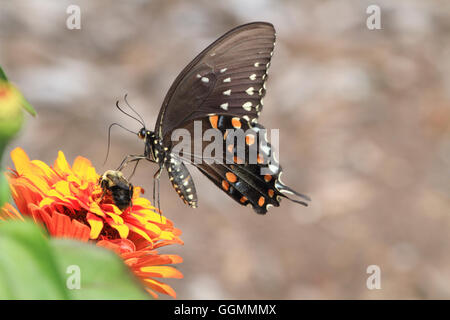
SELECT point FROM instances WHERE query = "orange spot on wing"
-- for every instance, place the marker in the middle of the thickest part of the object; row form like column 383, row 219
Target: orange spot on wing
column 243, row 199
column 236, row 122
column 249, row 139
column 225, row 185
column 267, row 177
column 271, row 193
column 213, row 120
column 261, row 201
column 238, row 160
column 231, row 177
column 260, row 159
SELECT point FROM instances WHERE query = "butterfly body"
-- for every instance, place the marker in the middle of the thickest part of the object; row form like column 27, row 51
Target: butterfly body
column 179, row 175
column 223, row 90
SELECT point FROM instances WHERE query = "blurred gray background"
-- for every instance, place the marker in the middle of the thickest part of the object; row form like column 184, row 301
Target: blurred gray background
column 364, row 118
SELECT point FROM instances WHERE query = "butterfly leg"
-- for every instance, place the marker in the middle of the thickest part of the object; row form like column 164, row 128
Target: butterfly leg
column 130, row 158
column 134, row 169
column 156, row 177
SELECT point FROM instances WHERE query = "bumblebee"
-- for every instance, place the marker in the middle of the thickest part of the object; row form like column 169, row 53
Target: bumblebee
column 120, row 189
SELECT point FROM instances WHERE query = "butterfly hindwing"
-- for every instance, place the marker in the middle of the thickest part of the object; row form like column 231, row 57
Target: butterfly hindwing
column 250, row 176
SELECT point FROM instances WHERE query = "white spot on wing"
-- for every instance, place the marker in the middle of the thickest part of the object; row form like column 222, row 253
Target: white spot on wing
column 205, row 79
column 265, row 149
column 285, row 191
column 252, row 76
column 227, row 92
column 250, row 91
column 279, row 178
column 227, row 79
column 223, row 70
column 247, row 106
column 273, row 168
column 224, row 106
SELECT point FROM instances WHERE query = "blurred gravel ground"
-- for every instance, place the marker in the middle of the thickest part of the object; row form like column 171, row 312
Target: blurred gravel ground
column 364, row 118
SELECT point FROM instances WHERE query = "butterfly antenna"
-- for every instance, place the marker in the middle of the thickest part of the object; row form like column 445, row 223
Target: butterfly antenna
column 109, row 138
column 132, row 109
column 118, row 107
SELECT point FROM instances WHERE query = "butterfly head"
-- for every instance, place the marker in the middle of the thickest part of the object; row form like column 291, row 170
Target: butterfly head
column 143, row 133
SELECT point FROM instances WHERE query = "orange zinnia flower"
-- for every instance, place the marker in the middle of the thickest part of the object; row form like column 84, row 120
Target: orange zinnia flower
column 68, row 202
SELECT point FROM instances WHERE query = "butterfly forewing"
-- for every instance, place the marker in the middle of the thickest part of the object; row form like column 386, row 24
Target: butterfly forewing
column 239, row 174
column 226, row 78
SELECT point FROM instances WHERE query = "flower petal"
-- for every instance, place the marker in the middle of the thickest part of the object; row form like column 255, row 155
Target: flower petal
column 81, row 166
column 161, row 272
column 49, row 173
column 120, row 246
column 122, row 229
column 160, row 287
column 96, row 224
column 9, row 212
column 20, row 160
column 61, row 166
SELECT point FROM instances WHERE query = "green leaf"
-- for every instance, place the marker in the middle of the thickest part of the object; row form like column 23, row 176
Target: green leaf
column 34, row 267
column 103, row 273
column 28, row 268
column 28, row 107
column 3, row 75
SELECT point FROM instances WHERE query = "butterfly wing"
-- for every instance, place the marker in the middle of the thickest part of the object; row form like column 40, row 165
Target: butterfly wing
column 251, row 176
column 226, row 78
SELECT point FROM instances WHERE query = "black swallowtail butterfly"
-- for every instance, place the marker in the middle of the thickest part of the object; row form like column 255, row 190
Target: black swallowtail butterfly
column 223, row 87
